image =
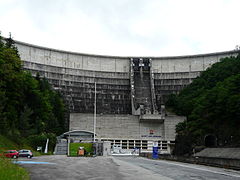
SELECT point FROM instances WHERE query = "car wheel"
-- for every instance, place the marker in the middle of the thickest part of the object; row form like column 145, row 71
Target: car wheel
column 28, row 157
column 14, row 157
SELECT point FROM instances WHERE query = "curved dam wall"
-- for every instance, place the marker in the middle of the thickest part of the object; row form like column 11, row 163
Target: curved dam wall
column 74, row 75
column 131, row 91
column 171, row 74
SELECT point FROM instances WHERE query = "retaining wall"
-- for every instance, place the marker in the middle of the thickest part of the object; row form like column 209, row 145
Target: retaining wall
column 211, row 161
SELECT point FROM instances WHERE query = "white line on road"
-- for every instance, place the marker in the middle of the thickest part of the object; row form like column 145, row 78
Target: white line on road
column 201, row 169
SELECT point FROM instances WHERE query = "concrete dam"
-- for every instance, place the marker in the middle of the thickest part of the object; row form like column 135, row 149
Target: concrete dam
column 130, row 91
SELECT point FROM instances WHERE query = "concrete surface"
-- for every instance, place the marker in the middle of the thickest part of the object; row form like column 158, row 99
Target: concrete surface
column 92, row 62
column 179, row 171
column 74, row 74
column 226, row 153
column 125, row 126
column 121, row 168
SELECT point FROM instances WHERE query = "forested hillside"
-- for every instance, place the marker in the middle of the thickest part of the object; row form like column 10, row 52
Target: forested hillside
column 212, row 106
column 29, row 108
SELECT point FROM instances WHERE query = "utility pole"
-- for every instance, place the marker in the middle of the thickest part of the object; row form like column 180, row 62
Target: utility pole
column 95, row 113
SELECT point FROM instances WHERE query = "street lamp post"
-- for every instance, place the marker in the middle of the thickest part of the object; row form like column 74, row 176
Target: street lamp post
column 95, row 113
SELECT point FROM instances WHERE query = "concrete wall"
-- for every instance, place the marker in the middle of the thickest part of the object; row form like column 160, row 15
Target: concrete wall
column 125, row 126
column 222, row 153
column 193, row 63
column 209, row 161
column 52, row 57
column 90, row 62
column 114, row 126
column 74, row 74
column 170, row 126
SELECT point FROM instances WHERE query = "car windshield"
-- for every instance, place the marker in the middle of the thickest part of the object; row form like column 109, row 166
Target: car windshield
column 24, row 151
column 10, row 151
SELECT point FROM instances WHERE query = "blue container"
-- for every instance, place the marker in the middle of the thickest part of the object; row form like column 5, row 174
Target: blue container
column 155, row 153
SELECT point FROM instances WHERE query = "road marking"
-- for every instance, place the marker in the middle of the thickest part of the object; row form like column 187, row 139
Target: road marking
column 201, row 169
column 31, row 162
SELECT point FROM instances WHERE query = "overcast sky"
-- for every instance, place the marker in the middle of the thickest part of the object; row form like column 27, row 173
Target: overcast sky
column 125, row 27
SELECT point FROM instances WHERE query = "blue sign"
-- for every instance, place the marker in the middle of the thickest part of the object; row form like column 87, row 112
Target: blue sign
column 155, row 153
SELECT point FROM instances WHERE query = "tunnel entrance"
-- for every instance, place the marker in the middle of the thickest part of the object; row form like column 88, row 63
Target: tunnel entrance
column 210, row 140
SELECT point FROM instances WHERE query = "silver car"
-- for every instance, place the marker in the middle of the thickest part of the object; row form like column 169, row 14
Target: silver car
column 25, row 153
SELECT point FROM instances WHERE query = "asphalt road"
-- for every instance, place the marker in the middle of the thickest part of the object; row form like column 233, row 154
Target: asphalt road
column 119, row 168
column 182, row 171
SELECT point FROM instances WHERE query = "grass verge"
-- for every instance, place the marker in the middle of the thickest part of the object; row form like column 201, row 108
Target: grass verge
column 88, row 147
column 10, row 171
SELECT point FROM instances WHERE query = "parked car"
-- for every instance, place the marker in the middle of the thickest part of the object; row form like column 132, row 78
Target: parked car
column 11, row 154
column 25, row 153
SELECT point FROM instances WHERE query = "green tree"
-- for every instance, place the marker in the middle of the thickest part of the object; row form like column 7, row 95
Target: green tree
column 211, row 104
column 28, row 105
